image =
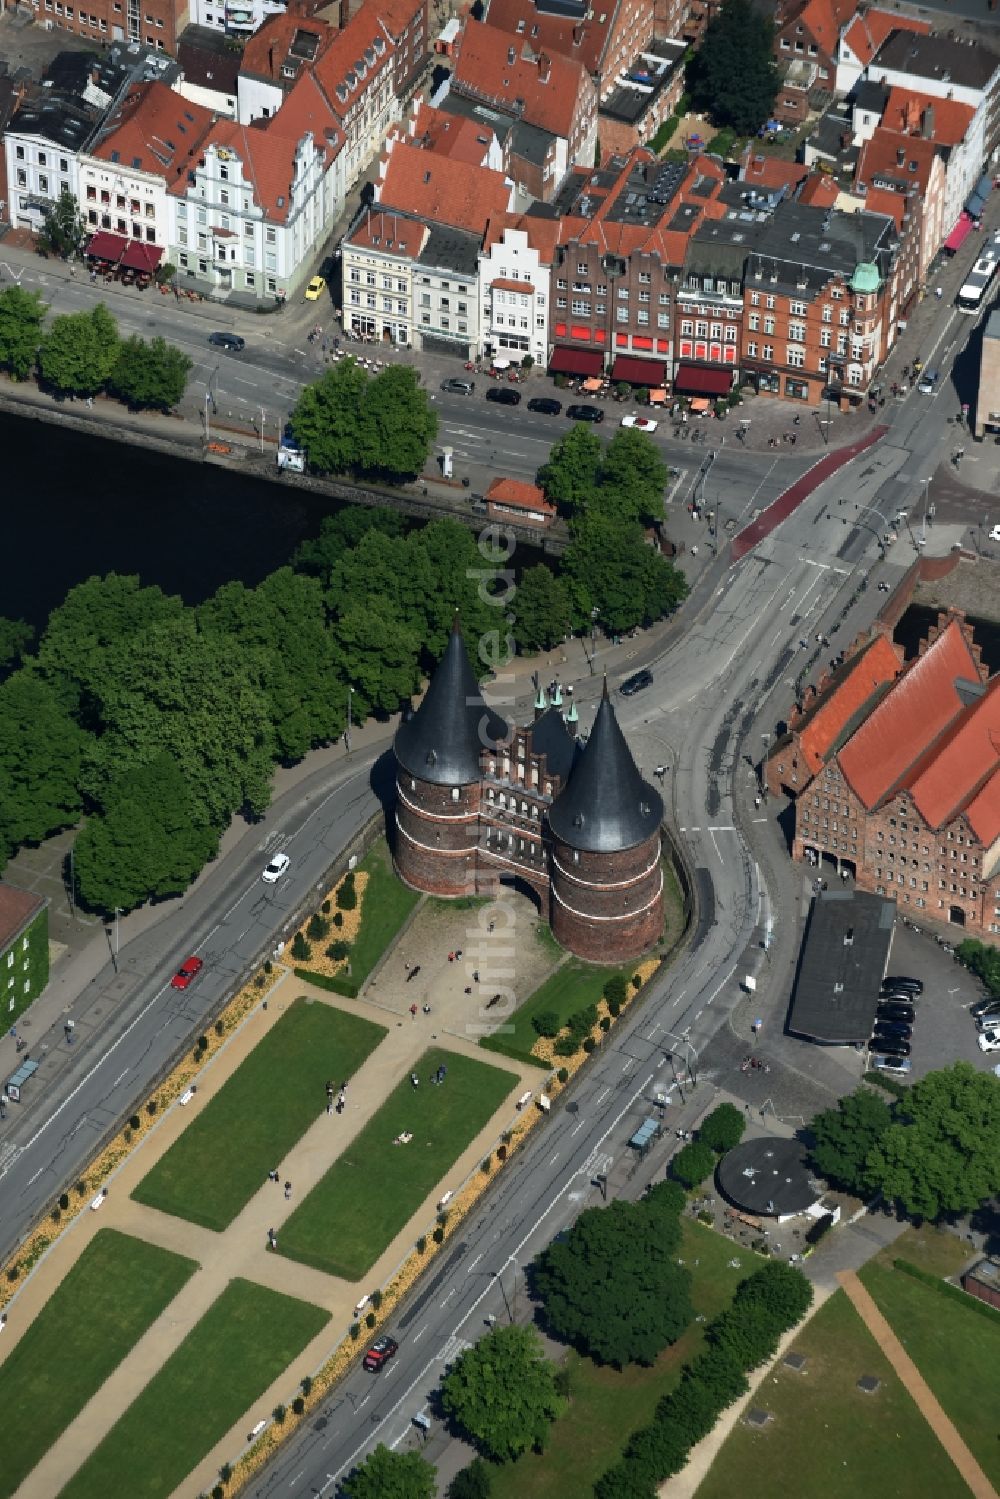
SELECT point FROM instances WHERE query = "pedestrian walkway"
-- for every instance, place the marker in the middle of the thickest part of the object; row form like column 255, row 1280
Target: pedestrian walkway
column 241, row 1249
column 924, row 1398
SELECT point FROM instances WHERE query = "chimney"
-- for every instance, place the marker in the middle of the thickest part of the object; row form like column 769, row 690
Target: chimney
column 900, row 156
column 510, row 54
column 927, row 123
column 544, row 67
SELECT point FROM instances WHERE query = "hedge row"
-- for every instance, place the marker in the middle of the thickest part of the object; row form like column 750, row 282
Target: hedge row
column 745, row 1335
column 897, row 1089
column 945, row 1288
column 348, row 987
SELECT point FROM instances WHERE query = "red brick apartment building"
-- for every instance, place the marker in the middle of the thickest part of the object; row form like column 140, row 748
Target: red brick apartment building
column 895, row 771
column 604, row 40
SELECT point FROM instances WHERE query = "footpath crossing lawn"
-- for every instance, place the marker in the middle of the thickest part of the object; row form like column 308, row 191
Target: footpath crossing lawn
column 115, row 1291
column 369, row 1192
column 827, row 1439
column 224, row 1364
column 213, row 1169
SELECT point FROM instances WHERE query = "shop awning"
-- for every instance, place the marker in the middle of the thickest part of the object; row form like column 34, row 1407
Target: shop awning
column 142, row 258
column 959, row 234
column 637, row 371
column 563, row 361
column 698, row 380
column 105, row 246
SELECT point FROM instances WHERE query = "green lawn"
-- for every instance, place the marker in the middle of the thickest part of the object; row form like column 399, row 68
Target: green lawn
column 115, row 1291
column 828, row 1440
column 224, row 1364
column 607, row 1406
column 369, row 1192
column 213, row 1169
column 572, row 987
column 956, row 1349
column 386, row 905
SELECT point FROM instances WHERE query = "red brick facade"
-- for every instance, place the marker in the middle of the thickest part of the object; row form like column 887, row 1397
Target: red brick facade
column 607, row 903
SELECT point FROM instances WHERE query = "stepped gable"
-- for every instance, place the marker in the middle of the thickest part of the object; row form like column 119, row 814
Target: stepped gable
column 442, row 740
column 607, row 807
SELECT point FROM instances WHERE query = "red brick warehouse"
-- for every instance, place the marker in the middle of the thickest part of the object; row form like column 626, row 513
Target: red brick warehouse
column 480, row 800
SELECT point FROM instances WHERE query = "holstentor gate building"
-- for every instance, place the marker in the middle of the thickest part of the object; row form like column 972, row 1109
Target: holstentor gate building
column 480, row 800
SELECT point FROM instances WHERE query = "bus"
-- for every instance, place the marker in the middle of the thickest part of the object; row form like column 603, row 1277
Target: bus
column 975, row 293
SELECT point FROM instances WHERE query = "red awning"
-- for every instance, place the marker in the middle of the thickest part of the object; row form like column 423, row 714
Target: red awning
column 105, row 246
column 960, row 233
column 696, row 380
column 637, row 371
column 142, row 258
column 564, row 361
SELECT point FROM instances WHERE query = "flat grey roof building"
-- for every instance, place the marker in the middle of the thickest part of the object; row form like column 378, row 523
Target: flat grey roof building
column 843, row 961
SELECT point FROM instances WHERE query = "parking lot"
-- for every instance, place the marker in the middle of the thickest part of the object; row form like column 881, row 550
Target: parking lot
column 943, row 1031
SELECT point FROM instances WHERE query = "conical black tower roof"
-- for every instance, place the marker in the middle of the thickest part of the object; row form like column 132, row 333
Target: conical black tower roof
column 607, row 806
column 441, row 741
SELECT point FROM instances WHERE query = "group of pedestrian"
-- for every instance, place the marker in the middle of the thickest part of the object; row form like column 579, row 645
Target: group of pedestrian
column 341, row 1097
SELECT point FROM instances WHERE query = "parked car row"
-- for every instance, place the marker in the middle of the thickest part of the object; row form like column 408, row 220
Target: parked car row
column 986, row 1014
column 893, row 1028
column 504, row 395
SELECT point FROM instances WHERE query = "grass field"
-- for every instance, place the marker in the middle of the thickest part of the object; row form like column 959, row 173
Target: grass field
column 115, row 1291
column 226, row 1361
column 956, row 1349
column 607, row 1406
column 828, row 1440
column 386, row 905
column 213, row 1169
column 368, row 1194
column 573, row 986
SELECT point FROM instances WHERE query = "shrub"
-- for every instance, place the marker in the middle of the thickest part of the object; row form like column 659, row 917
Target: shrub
column 135, row 1122
column 298, row 1405
column 301, row 949
column 325, row 908
column 614, row 1008
column 376, row 1299
column 219, row 1028
column 56, row 1215
column 723, row 1128
column 615, row 989
column 347, row 897
column 438, row 1235
column 582, row 1022
column 563, row 1074
column 317, row 928
column 636, row 981
column 152, row 1107
column 485, row 1165
column 546, row 1023
column 279, row 1413
column 421, row 1244
column 355, row 1331
column 473, row 1482
column 218, row 1492
column 566, row 1046
column 202, row 1046
column 226, row 1472
column 589, row 1045
column 370, row 1320
column 268, row 966
column 127, row 1133
column 338, row 918
column 81, row 1189
column 305, row 1383
column 605, row 1023
column 693, row 1163
column 338, row 950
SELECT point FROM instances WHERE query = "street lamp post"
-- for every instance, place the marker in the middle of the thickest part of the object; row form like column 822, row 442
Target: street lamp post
column 593, row 639
column 347, row 732
column 208, row 397
column 498, row 1276
column 923, row 518
column 263, row 420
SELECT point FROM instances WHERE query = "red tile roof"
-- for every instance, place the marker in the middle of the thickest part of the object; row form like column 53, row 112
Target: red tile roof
column 268, row 160
column 457, row 136
column 879, row 157
column 867, row 32
column 520, row 495
column 543, row 234
column 770, row 171
column 155, row 130
column 819, row 191
column 823, row 18
column 884, row 200
column 906, row 108
column 265, row 52
column 961, row 772
column 437, row 187
column 547, row 85
column 920, row 706
column 16, row 908
column 390, row 232
column 584, row 41
column 854, row 685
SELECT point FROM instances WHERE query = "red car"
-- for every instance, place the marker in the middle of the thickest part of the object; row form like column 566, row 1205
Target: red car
column 187, row 973
column 379, row 1354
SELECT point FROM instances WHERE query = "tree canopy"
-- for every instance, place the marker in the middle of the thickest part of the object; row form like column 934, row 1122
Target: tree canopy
column 391, row 1475
column 723, row 1128
column 940, row 1155
column 502, row 1394
column 79, row 352
column 845, row 1136
column 21, row 316
column 613, row 1287
column 614, row 576
column 622, row 483
column 349, row 422
column 63, row 230
column 733, row 76
column 983, row 960
column 152, row 375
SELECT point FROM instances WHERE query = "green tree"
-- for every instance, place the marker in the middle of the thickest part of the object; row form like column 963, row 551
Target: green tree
column 79, row 352
column 693, row 1163
column 391, row 1475
column 151, row 843
column 569, row 474
column 339, row 533
column 632, row 478
column 723, row 1128
column 502, row 1394
column 782, row 1288
column 15, row 637
column 473, row 1482
column 609, row 567
column 983, row 960
column 327, row 417
column 625, row 1481
column 541, row 609
column 21, row 316
column 379, row 656
column 844, row 1138
column 941, row 1154
column 398, row 424
column 395, row 571
column 733, row 76
column 613, row 1287
column 150, row 374
column 41, row 750
column 63, row 230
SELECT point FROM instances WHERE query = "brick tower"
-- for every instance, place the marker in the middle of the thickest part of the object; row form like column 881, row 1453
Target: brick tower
column 607, row 884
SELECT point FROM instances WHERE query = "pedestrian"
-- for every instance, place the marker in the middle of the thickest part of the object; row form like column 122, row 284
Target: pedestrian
column 407, row 967
column 427, row 1009
column 458, row 954
column 413, row 1012
column 288, row 1191
column 491, row 926
column 451, row 957
column 414, row 1079
column 475, row 976
column 468, row 989
column 329, row 1103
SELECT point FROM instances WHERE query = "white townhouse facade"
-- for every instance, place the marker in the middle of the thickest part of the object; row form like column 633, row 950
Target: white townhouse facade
column 514, row 297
